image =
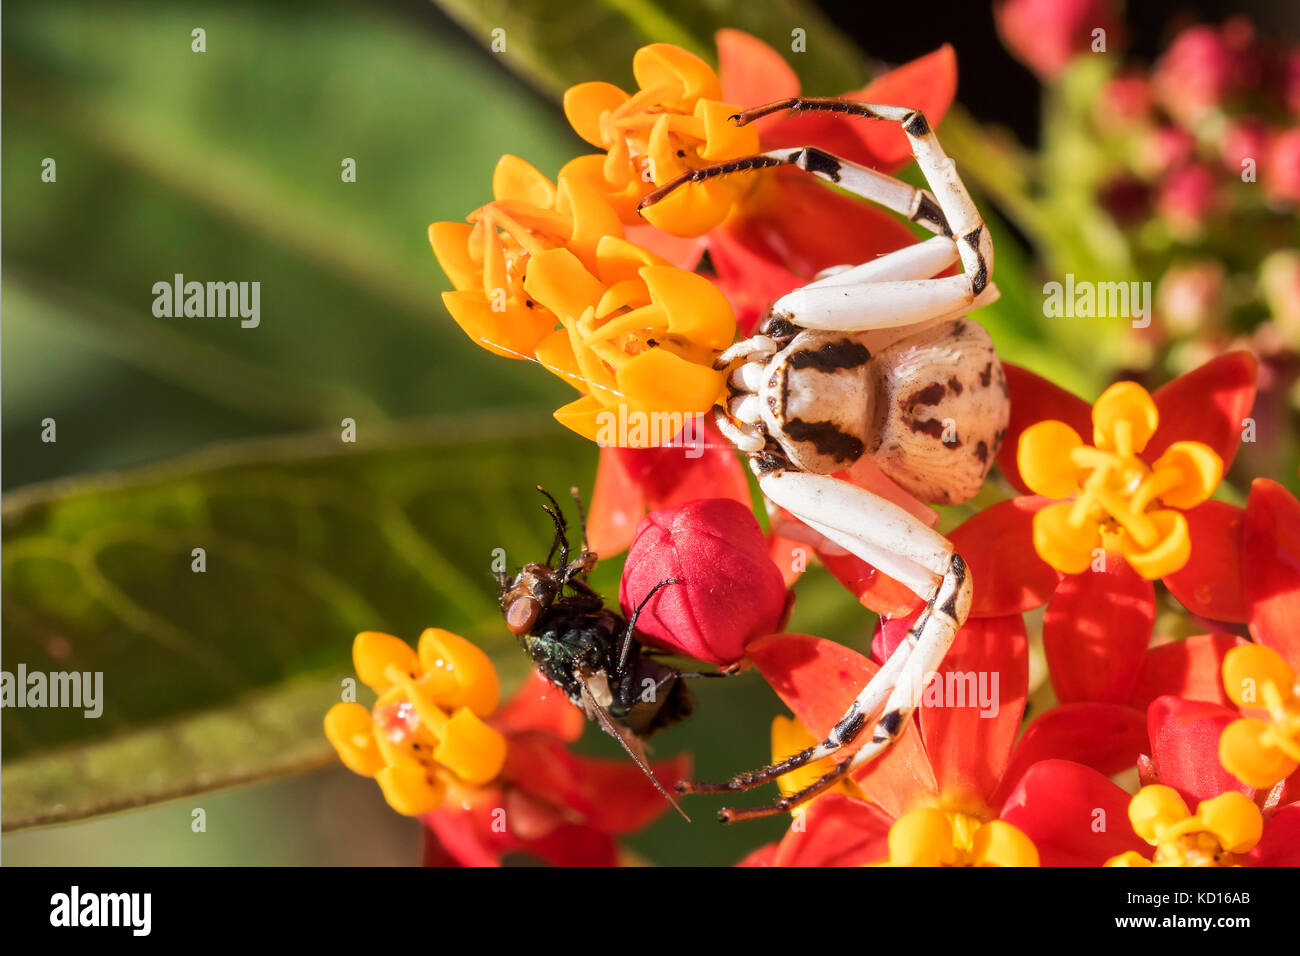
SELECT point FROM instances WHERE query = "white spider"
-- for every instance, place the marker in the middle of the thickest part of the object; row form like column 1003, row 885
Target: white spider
column 877, row 361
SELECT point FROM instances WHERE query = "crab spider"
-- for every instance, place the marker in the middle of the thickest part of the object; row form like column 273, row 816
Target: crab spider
column 874, row 361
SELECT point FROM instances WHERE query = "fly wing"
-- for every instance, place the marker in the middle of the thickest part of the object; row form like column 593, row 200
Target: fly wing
column 629, row 741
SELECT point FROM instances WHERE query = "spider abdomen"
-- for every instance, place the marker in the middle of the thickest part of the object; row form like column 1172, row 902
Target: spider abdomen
column 942, row 411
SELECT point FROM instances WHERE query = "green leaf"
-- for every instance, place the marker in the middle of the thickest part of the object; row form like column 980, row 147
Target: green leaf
column 557, row 44
column 222, row 676
column 230, row 170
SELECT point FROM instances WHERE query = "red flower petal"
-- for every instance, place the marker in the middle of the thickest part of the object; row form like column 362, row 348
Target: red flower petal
column 727, row 591
column 748, row 275
column 867, row 475
column 997, row 545
column 683, row 252
column 836, row 831
column 1280, row 844
column 969, row 745
column 818, row 679
column 1035, row 399
column 629, row 481
column 540, row 706
column 805, row 227
column 473, row 837
column 1095, row 632
column 1074, row 815
column 611, row 795
column 1190, row 668
column 1210, row 583
column 873, row 589
column 1185, row 747
column 1271, row 567
column 1106, row 737
column 1207, row 405
column 617, row 505
column 927, row 83
column 752, row 73
column 765, row 855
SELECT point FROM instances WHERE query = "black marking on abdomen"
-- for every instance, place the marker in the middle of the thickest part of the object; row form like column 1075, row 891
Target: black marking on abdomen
column 831, row 357
column 827, row 438
column 932, row 394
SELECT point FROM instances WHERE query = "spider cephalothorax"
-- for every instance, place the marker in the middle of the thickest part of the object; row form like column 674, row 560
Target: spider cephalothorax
column 876, row 361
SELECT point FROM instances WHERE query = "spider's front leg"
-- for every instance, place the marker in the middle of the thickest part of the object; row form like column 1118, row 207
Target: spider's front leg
column 886, row 536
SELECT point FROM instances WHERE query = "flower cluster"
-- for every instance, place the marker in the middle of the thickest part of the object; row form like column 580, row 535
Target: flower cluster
column 1160, row 675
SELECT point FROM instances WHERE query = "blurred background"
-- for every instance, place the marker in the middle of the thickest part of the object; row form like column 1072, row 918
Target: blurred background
column 180, row 433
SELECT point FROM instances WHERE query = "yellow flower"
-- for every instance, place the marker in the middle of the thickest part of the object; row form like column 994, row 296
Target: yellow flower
column 425, row 733
column 543, row 272
column 789, row 736
column 1223, row 827
column 674, row 122
column 487, row 257
column 1118, row 501
column 932, row 837
column 638, row 338
column 1257, row 752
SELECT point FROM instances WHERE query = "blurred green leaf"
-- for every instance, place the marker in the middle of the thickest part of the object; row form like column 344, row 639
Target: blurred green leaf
column 557, row 44
column 230, row 170
column 220, row 676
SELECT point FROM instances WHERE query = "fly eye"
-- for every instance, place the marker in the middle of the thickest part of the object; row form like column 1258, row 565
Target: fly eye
column 521, row 615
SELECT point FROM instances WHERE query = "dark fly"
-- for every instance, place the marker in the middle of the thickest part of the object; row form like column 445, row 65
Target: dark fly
column 590, row 652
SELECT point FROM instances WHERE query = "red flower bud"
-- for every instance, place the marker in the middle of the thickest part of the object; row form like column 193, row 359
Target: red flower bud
column 1282, row 171
column 1186, row 198
column 1046, row 35
column 728, row 590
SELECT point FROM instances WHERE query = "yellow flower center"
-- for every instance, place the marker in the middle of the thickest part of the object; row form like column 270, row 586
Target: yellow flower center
column 425, row 732
column 932, row 837
column 1222, row 829
column 1117, row 501
column 1261, row 752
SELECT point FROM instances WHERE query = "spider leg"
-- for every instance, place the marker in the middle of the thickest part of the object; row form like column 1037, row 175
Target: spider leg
column 959, row 211
column 901, row 546
column 947, row 210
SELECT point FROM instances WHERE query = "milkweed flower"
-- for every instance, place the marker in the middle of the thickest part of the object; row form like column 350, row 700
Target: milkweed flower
column 930, row 837
column 1114, row 495
column 487, row 258
column 959, row 760
column 768, row 231
column 1261, row 678
column 1221, row 829
column 543, row 272
column 1099, row 618
column 1261, row 752
column 486, row 781
column 426, row 731
column 674, row 122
